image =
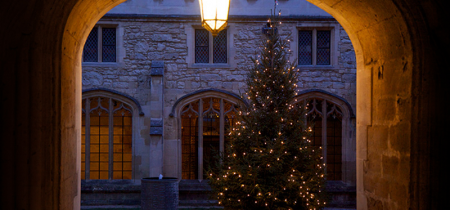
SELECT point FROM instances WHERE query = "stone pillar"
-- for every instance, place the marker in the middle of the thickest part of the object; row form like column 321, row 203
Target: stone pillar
column 156, row 115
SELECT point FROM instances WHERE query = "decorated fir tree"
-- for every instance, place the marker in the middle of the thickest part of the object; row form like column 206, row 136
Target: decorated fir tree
column 269, row 162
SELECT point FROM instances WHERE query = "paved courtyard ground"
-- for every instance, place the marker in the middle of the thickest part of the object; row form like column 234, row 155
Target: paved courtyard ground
column 180, row 208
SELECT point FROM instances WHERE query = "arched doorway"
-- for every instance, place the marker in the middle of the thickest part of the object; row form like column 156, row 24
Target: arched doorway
column 397, row 63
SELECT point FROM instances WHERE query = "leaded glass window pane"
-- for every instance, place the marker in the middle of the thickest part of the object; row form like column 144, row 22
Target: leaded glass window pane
column 122, row 141
column 305, row 48
column 83, row 140
column 327, row 129
column 201, row 46
column 211, row 131
column 334, row 148
column 220, row 47
column 99, row 139
column 189, row 141
column 109, row 44
column 323, row 47
column 106, row 139
column 90, row 51
column 216, row 117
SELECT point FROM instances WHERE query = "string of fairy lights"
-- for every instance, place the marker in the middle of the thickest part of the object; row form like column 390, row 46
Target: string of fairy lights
column 262, row 103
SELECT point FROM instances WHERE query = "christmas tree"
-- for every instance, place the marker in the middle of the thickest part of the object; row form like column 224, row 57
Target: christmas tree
column 269, row 162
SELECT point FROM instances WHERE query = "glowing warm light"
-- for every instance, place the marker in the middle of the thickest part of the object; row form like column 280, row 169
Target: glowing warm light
column 214, row 14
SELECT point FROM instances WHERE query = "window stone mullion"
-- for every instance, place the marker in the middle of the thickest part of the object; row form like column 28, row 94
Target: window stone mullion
column 87, row 138
column 200, row 140
column 314, row 47
column 324, row 131
column 211, row 48
column 222, row 127
column 100, row 43
column 111, row 138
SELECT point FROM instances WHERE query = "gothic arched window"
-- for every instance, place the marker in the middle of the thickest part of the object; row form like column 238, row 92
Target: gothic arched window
column 329, row 118
column 106, row 138
column 204, row 122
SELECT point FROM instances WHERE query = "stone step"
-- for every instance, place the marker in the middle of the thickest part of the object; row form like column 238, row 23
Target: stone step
column 111, row 207
column 192, row 194
column 199, row 207
column 207, row 203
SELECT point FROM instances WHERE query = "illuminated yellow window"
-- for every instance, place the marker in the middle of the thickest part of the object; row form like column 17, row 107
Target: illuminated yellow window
column 106, row 139
column 218, row 116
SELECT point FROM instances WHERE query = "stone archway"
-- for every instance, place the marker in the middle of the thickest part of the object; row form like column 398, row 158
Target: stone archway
column 393, row 149
column 41, row 154
column 398, row 95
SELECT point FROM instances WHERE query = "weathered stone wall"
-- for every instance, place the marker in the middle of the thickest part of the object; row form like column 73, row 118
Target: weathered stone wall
column 147, row 40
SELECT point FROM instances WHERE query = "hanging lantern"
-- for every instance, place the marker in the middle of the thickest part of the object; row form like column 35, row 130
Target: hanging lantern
column 214, row 14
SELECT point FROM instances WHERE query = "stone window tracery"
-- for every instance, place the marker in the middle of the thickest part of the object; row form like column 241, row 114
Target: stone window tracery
column 204, row 122
column 326, row 120
column 106, row 138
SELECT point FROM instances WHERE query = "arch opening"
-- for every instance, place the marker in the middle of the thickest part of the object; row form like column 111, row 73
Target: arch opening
column 391, row 40
column 364, row 30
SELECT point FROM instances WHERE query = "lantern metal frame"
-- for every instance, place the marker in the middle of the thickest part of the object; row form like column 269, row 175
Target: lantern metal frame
column 206, row 26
